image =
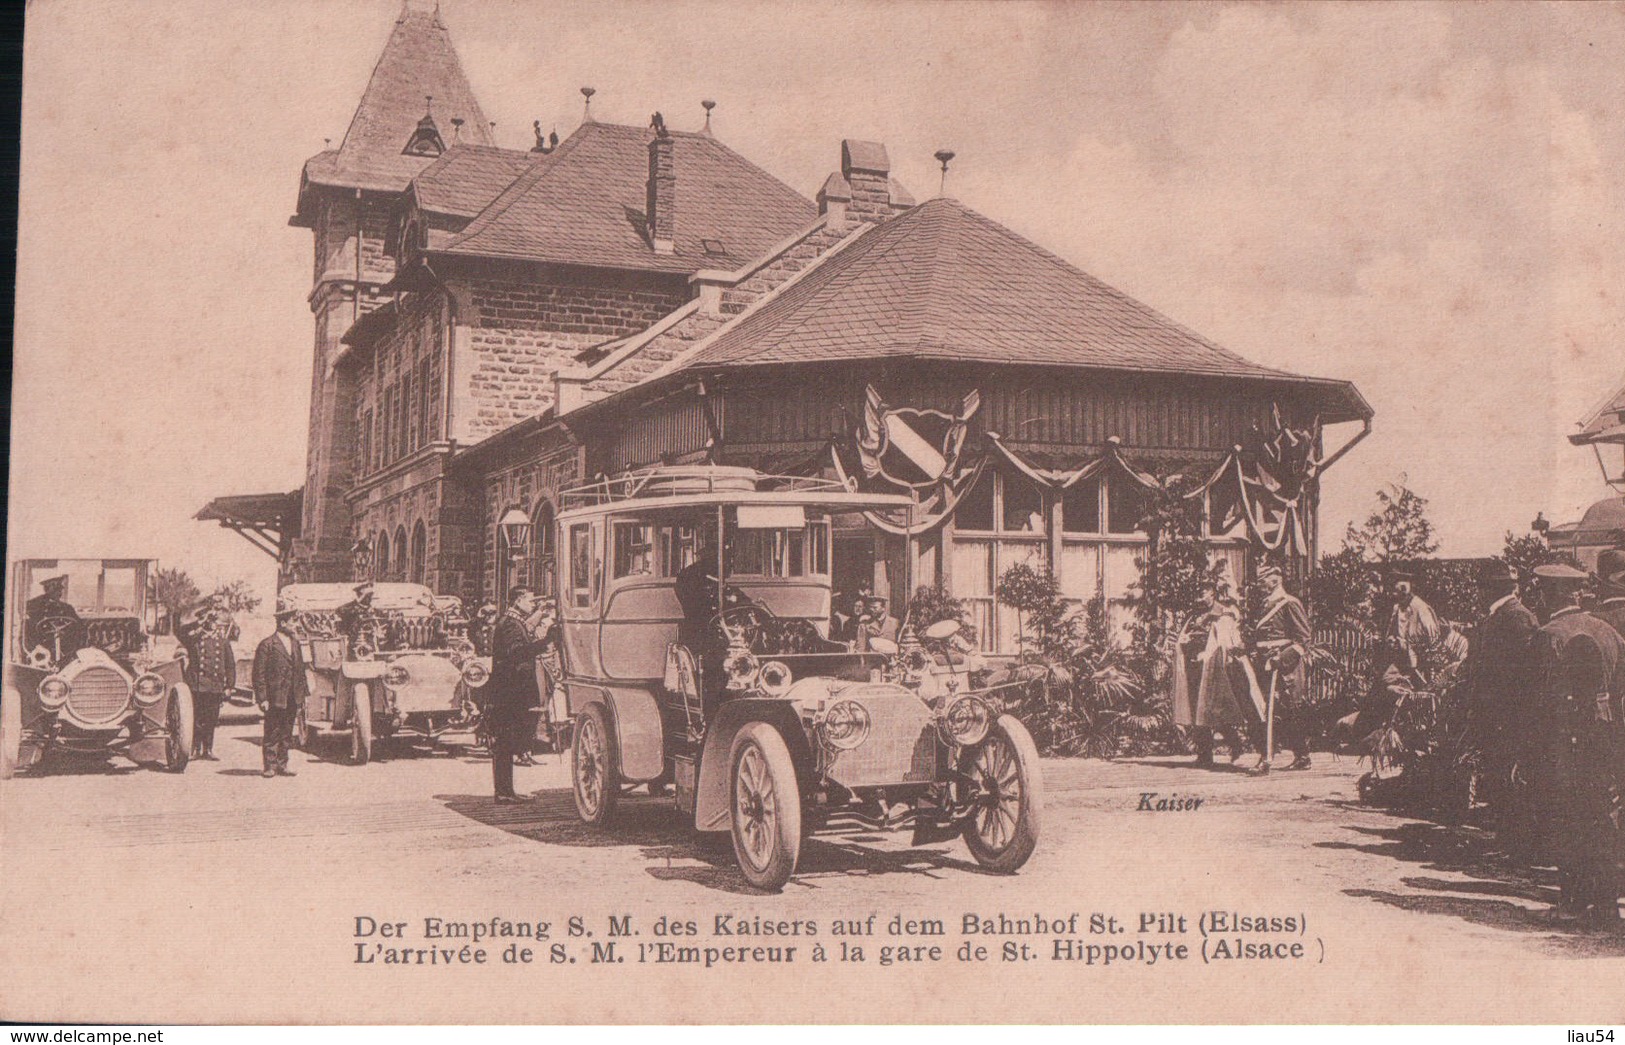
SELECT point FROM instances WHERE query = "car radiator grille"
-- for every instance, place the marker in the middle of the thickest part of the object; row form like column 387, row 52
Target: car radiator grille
column 98, row 694
column 901, row 747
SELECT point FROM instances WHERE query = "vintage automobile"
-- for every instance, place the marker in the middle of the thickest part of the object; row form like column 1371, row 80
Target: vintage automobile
column 768, row 730
column 81, row 676
column 410, row 672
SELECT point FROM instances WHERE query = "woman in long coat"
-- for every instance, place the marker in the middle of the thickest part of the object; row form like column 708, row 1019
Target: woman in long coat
column 1214, row 687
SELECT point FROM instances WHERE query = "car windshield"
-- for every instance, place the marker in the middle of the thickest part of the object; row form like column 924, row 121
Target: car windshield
column 96, row 588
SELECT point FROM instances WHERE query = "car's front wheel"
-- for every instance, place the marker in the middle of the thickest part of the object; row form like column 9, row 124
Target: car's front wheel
column 11, row 732
column 178, row 728
column 766, row 807
column 595, row 778
column 1002, row 829
column 361, row 724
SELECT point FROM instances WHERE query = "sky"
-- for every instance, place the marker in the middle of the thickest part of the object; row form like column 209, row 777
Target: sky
column 1425, row 199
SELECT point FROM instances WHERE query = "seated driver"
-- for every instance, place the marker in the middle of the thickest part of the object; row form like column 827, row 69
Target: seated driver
column 52, row 623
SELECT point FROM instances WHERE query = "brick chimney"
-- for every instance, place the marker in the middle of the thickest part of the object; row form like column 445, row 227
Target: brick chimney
column 661, row 205
column 867, row 171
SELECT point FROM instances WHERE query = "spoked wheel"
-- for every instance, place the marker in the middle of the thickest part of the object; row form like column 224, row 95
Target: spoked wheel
column 11, row 732
column 361, row 724
column 766, row 807
column 1002, row 829
column 596, row 779
column 178, row 725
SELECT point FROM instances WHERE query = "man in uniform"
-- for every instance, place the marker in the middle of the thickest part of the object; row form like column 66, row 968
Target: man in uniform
column 53, row 623
column 1581, row 670
column 280, row 690
column 511, row 693
column 1499, row 678
column 210, row 669
column 1281, row 640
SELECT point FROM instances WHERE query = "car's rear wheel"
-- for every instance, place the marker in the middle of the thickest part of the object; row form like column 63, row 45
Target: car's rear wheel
column 178, row 728
column 361, row 724
column 1002, row 829
column 595, row 778
column 766, row 807
column 11, row 732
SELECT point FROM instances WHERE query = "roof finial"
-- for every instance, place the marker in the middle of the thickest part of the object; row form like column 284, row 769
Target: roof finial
column 428, row 106
column 658, row 123
column 587, row 93
column 943, row 156
column 456, row 129
column 708, row 105
column 543, row 145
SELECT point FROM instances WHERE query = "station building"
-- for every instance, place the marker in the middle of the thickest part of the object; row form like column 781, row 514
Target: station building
column 495, row 325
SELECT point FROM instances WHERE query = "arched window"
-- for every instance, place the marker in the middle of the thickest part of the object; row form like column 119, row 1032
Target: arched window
column 380, row 557
column 401, row 551
column 543, row 573
column 420, row 553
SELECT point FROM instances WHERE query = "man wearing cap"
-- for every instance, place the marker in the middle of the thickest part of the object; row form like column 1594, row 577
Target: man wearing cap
column 512, row 693
column 53, row 623
column 1581, row 672
column 280, row 690
column 210, row 668
column 356, row 617
column 1499, row 675
column 1281, row 639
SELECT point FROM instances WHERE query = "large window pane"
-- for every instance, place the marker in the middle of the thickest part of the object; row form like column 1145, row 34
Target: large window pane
column 1127, row 505
column 1023, row 510
column 1080, row 507
column 1080, row 570
column 975, row 511
column 1122, row 571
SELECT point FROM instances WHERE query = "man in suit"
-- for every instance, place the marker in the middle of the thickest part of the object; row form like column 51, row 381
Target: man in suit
column 1580, row 661
column 1499, row 674
column 1281, row 641
column 210, row 668
column 511, row 693
column 280, row 689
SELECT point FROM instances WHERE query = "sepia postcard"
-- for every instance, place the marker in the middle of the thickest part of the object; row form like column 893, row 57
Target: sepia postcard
column 827, row 512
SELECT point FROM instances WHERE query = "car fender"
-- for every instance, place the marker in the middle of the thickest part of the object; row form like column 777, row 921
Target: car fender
column 711, row 793
column 634, row 714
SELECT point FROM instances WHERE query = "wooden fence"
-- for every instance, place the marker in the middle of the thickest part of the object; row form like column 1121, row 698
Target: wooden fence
column 1350, row 648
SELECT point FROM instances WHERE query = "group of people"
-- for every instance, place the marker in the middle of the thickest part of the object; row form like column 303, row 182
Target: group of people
column 1542, row 676
column 1246, row 693
column 1545, row 679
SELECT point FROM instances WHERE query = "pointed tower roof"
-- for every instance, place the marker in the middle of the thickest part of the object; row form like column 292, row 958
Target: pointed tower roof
column 418, row 63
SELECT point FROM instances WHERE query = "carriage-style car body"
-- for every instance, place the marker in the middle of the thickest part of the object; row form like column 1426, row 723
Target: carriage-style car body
column 415, row 674
column 792, row 732
column 94, row 686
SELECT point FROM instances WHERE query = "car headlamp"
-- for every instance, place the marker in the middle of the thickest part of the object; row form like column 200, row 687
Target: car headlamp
column 397, row 676
column 916, row 661
column 149, row 688
column 54, row 690
column 845, row 725
column 362, row 651
column 967, row 720
column 740, row 667
column 461, row 650
column 475, row 674
column 774, row 678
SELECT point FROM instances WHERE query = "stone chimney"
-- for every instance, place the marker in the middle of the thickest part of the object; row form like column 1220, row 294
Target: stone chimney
column 661, row 201
column 867, row 171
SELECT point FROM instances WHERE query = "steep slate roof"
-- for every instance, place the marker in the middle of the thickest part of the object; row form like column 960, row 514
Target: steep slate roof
column 417, row 61
column 944, row 283
column 584, row 205
column 466, row 178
